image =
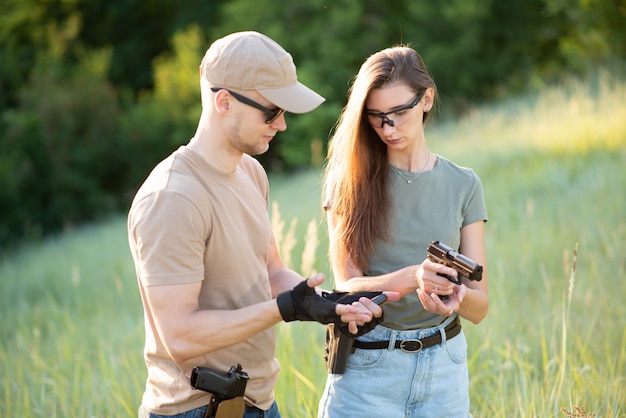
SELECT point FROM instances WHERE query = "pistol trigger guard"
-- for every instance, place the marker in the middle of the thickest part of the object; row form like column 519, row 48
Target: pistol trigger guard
column 455, row 280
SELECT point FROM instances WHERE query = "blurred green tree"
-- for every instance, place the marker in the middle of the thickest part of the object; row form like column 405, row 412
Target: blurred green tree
column 94, row 93
column 56, row 164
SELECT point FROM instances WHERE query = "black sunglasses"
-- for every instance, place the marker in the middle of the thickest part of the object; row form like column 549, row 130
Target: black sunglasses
column 270, row 114
column 384, row 115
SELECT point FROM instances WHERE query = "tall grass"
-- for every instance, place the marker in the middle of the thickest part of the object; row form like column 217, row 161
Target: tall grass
column 70, row 317
column 553, row 344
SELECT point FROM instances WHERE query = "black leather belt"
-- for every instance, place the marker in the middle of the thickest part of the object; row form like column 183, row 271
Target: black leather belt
column 414, row 346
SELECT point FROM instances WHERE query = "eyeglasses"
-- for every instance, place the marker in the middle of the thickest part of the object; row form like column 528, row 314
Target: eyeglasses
column 270, row 114
column 399, row 112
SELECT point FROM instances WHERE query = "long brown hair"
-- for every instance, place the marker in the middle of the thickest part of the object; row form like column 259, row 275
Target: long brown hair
column 356, row 173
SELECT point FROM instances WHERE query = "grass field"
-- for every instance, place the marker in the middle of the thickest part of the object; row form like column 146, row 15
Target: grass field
column 553, row 345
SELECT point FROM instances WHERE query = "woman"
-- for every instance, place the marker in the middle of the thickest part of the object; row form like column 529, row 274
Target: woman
column 387, row 196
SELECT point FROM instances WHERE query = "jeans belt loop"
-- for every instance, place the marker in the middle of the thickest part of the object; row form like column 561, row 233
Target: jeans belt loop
column 444, row 324
column 392, row 341
column 449, row 320
column 442, row 332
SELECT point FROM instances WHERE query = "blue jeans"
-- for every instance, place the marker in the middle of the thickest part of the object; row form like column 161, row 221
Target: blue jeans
column 391, row 383
column 250, row 412
column 193, row 413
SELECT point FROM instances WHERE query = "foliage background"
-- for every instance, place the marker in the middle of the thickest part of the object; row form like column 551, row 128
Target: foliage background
column 94, row 93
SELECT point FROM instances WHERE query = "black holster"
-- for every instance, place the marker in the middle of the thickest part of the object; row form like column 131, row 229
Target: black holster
column 227, row 390
column 339, row 346
column 339, row 342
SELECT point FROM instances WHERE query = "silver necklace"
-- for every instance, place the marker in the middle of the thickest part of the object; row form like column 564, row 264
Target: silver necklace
column 410, row 180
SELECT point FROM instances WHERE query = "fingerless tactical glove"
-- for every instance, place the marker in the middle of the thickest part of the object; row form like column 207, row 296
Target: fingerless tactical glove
column 302, row 303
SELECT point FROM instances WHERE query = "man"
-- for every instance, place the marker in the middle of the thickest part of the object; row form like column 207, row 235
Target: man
column 206, row 260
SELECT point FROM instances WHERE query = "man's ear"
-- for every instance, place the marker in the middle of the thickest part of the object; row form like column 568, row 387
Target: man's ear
column 222, row 101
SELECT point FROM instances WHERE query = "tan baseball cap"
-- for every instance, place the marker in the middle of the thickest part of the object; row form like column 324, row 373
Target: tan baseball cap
column 252, row 61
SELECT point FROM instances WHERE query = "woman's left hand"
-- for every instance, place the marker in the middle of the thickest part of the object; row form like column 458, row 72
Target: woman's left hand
column 433, row 303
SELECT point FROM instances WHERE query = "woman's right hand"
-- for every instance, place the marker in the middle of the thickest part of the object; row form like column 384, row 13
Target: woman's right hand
column 430, row 280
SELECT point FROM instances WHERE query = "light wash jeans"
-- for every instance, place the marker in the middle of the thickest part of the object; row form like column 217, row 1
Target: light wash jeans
column 250, row 412
column 390, row 383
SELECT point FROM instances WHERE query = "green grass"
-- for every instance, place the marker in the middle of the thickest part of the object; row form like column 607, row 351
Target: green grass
column 553, row 344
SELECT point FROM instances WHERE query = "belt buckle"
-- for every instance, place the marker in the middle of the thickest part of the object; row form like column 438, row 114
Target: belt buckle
column 411, row 346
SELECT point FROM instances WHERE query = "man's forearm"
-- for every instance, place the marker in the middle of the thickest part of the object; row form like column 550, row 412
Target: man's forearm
column 283, row 279
column 196, row 333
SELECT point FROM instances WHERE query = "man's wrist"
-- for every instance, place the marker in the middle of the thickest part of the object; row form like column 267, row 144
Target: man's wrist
column 286, row 308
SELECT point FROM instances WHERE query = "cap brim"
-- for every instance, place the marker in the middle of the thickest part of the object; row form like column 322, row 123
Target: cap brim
column 297, row 98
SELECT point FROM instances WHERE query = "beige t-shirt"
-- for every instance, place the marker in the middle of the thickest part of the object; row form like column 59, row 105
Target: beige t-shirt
column 190, row 222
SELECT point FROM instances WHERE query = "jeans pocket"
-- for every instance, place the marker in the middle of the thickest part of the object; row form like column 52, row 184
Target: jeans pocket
column 457, row 348
column 365, row 359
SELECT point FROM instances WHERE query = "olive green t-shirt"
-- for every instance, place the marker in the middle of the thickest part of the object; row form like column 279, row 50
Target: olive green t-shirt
column 434, row 206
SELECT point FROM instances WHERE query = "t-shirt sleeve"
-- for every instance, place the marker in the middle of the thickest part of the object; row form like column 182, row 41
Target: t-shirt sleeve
column 475, row 208
column 169, row 239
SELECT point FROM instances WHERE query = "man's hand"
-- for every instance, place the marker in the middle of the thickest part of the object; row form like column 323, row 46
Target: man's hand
column 365, row 300
column 303, row 303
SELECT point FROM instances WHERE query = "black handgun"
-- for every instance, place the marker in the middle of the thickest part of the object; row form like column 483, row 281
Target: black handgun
column 340, row 343
column 222, row 386
column 466, row 267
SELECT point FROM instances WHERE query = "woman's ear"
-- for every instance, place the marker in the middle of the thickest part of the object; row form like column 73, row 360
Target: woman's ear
column 429, row 99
